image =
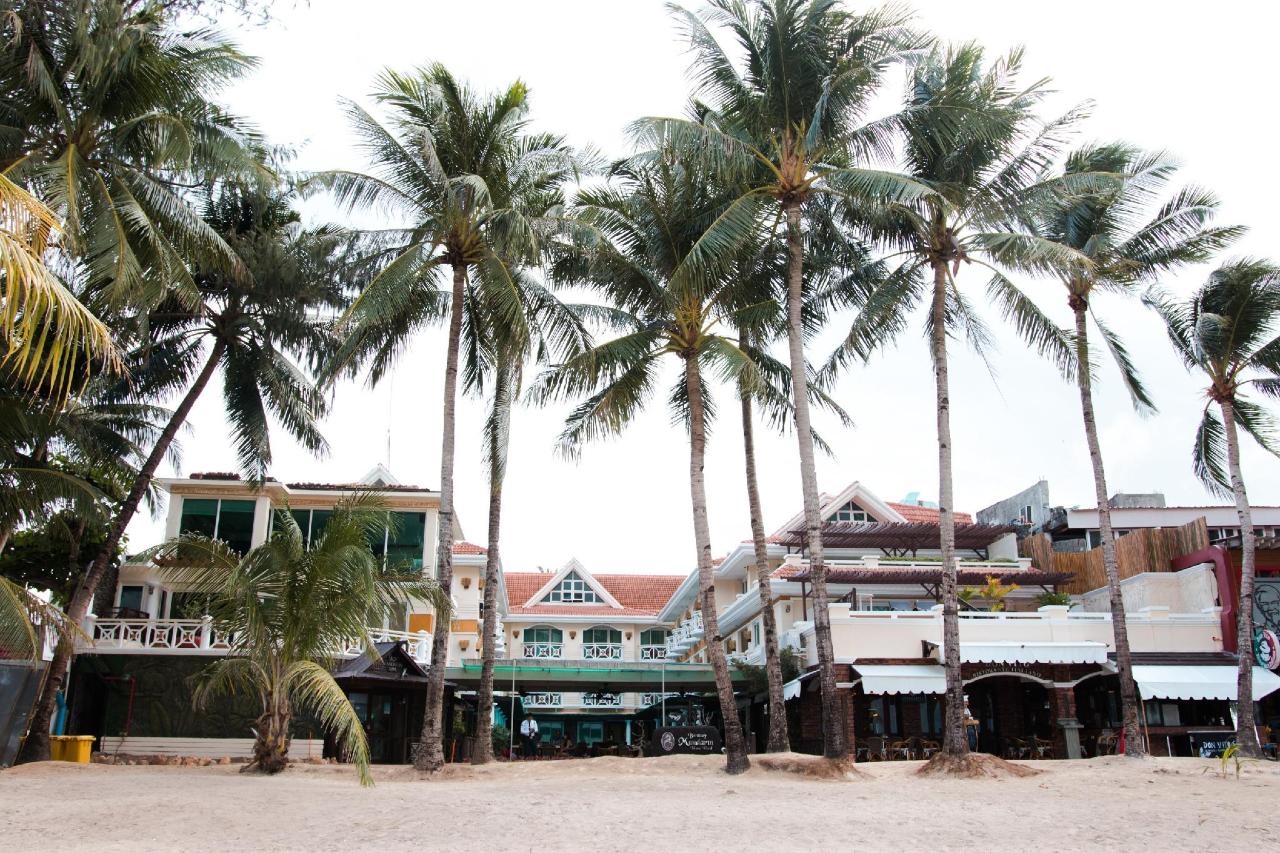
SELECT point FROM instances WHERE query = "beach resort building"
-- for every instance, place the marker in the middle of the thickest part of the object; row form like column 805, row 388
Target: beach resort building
column 603, row 660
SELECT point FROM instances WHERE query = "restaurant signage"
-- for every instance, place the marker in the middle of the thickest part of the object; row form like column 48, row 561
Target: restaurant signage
column 1007, row 669
column 695, row 740
column 1266, row 649
column 1211, row 744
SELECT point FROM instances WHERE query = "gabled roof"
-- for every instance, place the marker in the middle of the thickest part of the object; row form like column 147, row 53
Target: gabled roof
column 394, row 663
column 574, row 567
column 927, row 514
column 636, row 595
column 468, row 548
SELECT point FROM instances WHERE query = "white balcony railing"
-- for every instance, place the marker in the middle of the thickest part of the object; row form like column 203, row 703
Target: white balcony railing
column 602, row 700
column 650, row 699
column 544, row 650
column 653, row 652
column 543, row 700
column 200, row 636
column 875, row 561
column 601, row 651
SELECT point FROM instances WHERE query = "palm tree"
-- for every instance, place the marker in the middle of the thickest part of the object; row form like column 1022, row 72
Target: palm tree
column 289, row 610
column 1107, row 226
column 46, row 334
column 787, row 127
column 108, row 120
column 971, row 135
column 639, row 244
column 443, row 166
column 251, row 327
column 1229, row 330
column 26, row 620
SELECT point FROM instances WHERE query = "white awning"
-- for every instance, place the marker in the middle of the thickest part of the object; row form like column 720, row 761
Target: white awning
column 1015, row 652
column 1199, row 682
column 901, row 678
column 791, row 690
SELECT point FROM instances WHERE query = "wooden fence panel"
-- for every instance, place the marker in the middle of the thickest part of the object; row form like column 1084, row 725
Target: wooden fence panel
column 1144, row 550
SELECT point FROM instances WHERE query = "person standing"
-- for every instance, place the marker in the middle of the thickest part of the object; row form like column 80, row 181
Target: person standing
column 529, row 736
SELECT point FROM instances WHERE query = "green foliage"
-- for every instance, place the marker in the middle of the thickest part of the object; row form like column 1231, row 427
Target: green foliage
column 1060, row 599
column 501, row 737
column 993, row 592
column 1229, row 759
column 757, row 678
column 290, row 610
column 54, row 554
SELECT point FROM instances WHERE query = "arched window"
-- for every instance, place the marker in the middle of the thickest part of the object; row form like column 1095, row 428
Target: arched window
column 602, row 643
column 543, row 641
column 653, row 644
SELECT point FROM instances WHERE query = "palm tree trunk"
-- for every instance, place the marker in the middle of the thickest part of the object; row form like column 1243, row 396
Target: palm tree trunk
column 778, row 740
column 833, row 739
column 1134, row 743
column 431, row 752
column 736, row 760
column 1246, row 729
column 271, row 746
column 36, row 747
column 954, row 741
column 482, row 752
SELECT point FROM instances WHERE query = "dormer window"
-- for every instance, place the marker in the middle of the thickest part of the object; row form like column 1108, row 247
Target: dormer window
column 572, row 589
column 851, row 512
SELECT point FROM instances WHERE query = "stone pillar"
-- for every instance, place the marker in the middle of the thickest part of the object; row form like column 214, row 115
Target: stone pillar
column 1066, row 734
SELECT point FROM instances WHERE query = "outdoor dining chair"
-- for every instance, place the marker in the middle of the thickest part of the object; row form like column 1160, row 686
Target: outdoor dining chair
column 876, row 748
column 1016, row 748
column 901, row 749
column 1043, row 748
column 928, row 748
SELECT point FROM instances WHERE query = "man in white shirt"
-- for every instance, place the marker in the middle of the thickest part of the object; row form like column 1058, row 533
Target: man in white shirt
column 529, row 735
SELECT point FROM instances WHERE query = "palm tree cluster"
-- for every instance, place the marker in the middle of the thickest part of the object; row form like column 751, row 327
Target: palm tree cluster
column 150, row 247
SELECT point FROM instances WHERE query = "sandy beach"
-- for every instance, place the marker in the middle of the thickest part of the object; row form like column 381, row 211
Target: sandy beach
column 605, row 804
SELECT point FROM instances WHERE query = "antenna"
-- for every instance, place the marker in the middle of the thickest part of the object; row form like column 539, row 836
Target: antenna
column 391, row 397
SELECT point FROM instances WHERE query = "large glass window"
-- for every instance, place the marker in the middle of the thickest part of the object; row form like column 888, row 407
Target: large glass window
column 573, row 590
column 405, row 544
column 228, row 520
column 602, row 636
column 131, row 598
column 543, row 641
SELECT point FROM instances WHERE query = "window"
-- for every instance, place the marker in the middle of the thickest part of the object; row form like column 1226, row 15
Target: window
column 602, row 643
column 851, row 512
column 543, row 641
column 573, row 590
column 653, row 644
column 590, row 733
column 228, row 520
column 928, row 710
column 402, row 547
column 1025, row 515
column 882, row 714
column 602, row 636
column 131, row 598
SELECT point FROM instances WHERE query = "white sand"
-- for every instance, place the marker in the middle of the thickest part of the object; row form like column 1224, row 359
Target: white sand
column 604, row 804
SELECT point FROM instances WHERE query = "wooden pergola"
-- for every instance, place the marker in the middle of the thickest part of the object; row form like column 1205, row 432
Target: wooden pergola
column 900, row 539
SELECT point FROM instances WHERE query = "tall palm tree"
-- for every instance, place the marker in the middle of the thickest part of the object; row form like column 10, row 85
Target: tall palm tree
column 289, row 610
column 108, row 119
column 1229, row 330
column 251, row 326
column 986, row 173
column 1128, row 244
column 639, row 244
column 787, row 126
column 46, row 334
column 442, row 166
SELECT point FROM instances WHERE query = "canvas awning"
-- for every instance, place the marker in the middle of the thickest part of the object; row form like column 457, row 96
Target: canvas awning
column 890, row 679
column 1199, row 682
column 791, row 690
column 1011, row 651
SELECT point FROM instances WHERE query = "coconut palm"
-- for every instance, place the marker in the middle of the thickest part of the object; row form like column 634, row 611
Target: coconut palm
column 107, row 119
column 252, row 327
column 445, row 166
column 27, row 621
column 786, row 125
column 1129, row 243
column 987, row 173
column 638, row 244
column 1229, row 330
column 290, row 610
column 46, row 334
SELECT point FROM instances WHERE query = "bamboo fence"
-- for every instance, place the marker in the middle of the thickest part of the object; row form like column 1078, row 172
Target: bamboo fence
column 1143, row 550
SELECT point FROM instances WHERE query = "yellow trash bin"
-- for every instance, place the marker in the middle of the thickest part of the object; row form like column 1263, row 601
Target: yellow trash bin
column 75, row 748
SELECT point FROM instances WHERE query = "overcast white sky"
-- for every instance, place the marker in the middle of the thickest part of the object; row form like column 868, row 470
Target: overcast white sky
column 1197, row 81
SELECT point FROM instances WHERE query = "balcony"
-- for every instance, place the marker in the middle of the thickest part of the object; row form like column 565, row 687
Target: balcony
column 602, row 700
column 543, row 700
column 686, row 635
column 601, row 651
column 1052, row 630
column 648, row 700
column 653, row 652
column 544, row 651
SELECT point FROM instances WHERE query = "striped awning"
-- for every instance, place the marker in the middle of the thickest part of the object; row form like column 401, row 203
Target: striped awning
column 1012, row 651
column 1200, row 682
column 892, row 679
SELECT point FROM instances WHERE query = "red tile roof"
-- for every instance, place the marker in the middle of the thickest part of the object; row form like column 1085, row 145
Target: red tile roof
column 467, row 548
column 639, row 595
column 926, row 514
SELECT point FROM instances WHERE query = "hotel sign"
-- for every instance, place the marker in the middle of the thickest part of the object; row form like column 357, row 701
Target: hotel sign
column 686, row 740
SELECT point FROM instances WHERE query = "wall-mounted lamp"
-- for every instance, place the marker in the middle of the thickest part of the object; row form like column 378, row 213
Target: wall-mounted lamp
column 462, row 644
column 628, row 635
column 515, row 634
column 787, row 609
column 466, row 583
column 573, row 635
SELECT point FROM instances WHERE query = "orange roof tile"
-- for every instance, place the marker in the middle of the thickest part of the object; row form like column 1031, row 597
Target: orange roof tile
column 468, row 548
column 926, row 514
column 639, row 595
